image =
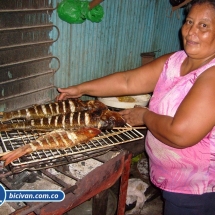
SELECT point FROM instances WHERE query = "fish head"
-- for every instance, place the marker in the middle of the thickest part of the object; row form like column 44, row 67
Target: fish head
column 110, row 119
column 99, row 105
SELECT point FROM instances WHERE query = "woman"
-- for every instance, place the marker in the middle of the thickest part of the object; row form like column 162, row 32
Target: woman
column 181, row 115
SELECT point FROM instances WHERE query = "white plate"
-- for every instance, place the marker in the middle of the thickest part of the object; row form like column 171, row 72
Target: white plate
column 141, row 100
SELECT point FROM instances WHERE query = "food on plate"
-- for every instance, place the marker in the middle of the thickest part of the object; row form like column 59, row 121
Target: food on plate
column 102, row 119
column 126, row 99
column 53, row 109
column 57, row 139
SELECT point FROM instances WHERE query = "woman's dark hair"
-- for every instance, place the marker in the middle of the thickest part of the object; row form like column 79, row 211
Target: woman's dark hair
column 195, row 2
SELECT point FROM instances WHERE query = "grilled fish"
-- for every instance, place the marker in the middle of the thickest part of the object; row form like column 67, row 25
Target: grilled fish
column 58, row 139
column 53, row 109
column 103, row 120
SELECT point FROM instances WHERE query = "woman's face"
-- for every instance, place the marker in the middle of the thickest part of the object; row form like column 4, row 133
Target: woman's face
column 198, row 32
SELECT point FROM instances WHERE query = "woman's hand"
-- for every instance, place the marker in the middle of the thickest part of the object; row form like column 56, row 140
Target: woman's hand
column 69, row 92
column 134, row 116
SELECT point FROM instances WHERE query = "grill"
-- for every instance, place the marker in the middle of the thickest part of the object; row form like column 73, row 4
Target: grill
column 49, row 158
column 105, row 149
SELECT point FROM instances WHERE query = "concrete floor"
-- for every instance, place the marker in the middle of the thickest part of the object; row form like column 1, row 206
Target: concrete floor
column 155, row 207
column 152, row 206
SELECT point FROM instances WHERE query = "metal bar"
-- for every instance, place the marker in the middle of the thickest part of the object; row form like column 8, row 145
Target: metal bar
column 67, row 174
column 6, row 174
column 27, row 77
column 30, row 44
column 55, row 178
column 27, row 27
column 32, row 60
column 26, row 93
column 26, row 44
column 26, row 10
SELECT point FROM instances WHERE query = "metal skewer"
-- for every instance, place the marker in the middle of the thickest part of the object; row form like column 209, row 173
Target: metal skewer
column 128, row 128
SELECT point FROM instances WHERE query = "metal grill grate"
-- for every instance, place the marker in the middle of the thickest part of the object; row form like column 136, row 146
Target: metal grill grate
column 46, row 158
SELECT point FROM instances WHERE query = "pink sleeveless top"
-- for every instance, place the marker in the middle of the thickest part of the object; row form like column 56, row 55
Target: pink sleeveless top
column 190, row 170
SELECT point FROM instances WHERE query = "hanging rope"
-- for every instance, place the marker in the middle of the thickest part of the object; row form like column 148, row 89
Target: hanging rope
column 181, row 5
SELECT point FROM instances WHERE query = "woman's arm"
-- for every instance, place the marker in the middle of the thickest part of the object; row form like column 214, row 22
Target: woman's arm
column 194, row 118
column 136, row 81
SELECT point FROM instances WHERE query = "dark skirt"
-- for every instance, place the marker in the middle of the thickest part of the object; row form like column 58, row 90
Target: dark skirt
column 188, row 204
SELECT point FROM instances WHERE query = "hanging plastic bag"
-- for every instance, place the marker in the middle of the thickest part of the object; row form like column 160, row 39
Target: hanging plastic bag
column 77, row 11
column 70, row 11
column 96, row 14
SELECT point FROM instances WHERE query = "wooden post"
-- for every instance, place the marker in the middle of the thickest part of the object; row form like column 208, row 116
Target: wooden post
column 94, row 3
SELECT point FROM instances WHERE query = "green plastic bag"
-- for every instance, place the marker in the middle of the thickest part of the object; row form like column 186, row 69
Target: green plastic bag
column 77, row 11
column 96, row 14
column 136, row 159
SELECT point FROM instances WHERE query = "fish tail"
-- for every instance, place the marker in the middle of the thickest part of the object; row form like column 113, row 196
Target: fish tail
column 13, row 155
